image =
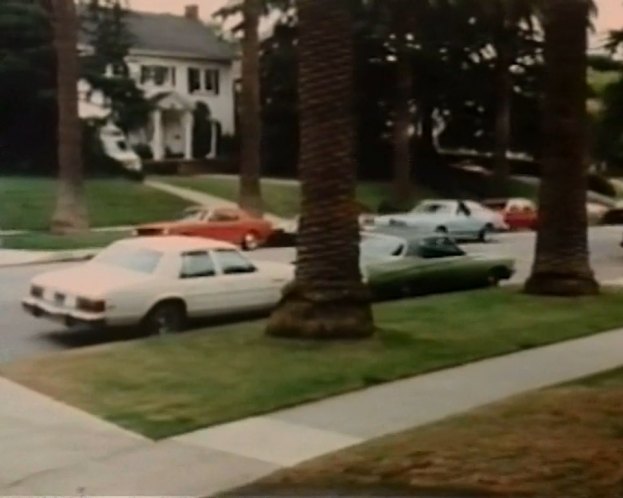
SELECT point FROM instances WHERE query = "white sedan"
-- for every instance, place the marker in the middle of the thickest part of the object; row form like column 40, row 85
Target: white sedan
column 157, row 282
column 463, row 220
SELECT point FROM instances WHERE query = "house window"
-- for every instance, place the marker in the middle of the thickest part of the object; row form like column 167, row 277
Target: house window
column 207, row 81
column 194, row 80
column 158, row 75
column 212, row 81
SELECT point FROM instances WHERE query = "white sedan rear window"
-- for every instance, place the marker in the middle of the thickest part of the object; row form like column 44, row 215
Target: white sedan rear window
column 135, row 259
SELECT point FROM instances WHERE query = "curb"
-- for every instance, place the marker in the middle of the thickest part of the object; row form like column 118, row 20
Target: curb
column 54, row 257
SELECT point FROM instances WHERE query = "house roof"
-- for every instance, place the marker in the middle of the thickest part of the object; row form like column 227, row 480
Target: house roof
column 167, row 34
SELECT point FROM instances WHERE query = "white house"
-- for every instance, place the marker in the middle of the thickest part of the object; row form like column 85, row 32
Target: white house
column 179, row 62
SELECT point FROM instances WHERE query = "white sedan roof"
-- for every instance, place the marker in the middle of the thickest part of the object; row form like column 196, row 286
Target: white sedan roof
column 175, row 243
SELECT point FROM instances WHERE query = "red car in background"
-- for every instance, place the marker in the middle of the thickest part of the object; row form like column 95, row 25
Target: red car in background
column 518, row 213
column 227, row 224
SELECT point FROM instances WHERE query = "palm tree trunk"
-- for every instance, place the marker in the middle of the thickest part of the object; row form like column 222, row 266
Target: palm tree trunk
column 402, row 110
column 70, row 215
column 327, row 300
column 504, row 92
column 561, row 264
column 250, row 197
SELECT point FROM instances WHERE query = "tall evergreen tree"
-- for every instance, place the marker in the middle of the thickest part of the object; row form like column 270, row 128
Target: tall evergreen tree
column 27, row 88
column 250, row 197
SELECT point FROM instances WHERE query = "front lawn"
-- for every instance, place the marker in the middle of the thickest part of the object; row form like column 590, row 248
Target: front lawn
column 42, row 241
column 28, row 203
column 162, row 387
column 560, row 442
column 283, row 198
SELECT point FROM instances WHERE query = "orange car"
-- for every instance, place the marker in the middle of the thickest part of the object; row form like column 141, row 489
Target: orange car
column 228, row 224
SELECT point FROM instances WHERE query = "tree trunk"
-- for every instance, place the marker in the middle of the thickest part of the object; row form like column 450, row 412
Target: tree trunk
column 327, row 300
column 504, row 93
column 402, row 111
column 561, row 264
column 426, row 150
column 70, row 215
column 250, row 197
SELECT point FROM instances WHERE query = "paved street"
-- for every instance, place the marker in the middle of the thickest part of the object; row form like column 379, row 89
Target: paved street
column 23, row 336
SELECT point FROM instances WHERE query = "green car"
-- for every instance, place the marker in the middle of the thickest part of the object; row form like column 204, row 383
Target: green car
column 399, row 267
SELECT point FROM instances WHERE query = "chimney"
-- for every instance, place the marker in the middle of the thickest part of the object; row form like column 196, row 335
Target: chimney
column 192, row 12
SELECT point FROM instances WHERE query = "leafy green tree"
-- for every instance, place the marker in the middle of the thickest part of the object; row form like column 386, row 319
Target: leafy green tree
column 105, row 68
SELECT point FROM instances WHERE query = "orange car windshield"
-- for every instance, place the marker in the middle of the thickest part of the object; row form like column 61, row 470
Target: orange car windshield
column 197, row 215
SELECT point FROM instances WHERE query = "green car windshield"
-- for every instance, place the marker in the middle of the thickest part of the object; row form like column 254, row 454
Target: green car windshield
column 435, row 247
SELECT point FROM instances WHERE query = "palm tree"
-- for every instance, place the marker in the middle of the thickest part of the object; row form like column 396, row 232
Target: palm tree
column 250, row 119
column 561, row 264
column 70, row 214
column 327, row 300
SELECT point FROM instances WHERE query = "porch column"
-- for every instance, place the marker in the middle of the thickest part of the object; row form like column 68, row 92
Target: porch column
column 157, row 148
column 188, row 134
column 213, row 140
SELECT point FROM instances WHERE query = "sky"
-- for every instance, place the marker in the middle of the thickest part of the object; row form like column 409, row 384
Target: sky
column 610, row 11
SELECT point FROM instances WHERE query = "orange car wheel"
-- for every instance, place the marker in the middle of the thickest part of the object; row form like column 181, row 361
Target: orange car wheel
column 250, row 241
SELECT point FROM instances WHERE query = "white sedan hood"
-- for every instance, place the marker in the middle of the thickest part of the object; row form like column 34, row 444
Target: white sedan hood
column 90, row 279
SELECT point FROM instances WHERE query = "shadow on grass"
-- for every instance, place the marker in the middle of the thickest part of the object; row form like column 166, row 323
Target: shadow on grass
column 82, row 337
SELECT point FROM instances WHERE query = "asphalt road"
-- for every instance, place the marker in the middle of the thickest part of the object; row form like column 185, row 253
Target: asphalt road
column 22, row 336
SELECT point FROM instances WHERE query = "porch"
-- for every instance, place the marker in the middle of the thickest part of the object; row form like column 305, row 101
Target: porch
column 177, row 127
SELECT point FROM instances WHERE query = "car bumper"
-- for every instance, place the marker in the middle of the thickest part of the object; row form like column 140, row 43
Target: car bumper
column 68, row 318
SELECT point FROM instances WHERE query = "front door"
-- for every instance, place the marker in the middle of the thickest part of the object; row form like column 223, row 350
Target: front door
column 202, row 285
column 248, row 288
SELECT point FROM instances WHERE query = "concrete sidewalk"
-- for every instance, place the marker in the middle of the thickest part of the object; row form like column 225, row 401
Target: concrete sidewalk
column 54, row 450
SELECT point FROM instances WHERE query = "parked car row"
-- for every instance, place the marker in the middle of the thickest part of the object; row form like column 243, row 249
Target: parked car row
column 161, row 282
column 463, row 220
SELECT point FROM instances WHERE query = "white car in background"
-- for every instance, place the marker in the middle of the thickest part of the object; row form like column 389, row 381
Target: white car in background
column 115, row 145
column 463, row 220
column 158, row 283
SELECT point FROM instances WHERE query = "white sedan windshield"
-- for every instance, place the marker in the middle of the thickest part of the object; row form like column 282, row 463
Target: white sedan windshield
column 135, row 259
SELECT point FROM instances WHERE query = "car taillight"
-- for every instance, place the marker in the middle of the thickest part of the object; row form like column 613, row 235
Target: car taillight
column 91, row 305
column 36, row 291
